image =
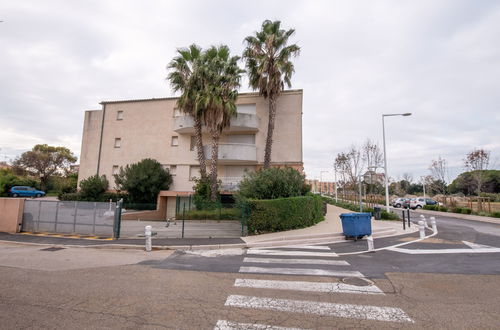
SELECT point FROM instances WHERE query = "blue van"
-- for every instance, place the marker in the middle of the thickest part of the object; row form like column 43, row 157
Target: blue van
column 24, row 191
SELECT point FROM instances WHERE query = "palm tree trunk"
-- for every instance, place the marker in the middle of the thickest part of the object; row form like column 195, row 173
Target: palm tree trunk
column 213, row 165
column 270, row 130
column 199, row 147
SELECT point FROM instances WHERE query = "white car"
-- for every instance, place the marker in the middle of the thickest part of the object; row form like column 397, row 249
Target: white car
column 420, row 202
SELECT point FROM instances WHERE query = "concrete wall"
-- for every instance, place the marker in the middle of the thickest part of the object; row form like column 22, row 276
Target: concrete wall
column 11, row 214
column 147, row 128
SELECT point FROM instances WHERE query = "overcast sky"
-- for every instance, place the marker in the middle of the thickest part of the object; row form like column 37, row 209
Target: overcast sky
column 439, row 60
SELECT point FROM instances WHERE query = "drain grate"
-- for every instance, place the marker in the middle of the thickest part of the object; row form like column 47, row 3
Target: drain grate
column 52, row 249
column 357, row 281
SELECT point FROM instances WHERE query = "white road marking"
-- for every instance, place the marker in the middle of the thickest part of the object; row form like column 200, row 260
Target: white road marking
column 307, row 286
column 297, row 261
column 301, row 271
column 477, row 246
column 320, row 308
column 305, row 247
column 228, row 325
column 291, row 253
column 445, row 251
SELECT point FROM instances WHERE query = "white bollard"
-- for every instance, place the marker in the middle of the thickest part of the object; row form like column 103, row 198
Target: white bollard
column 147, row 234
column 422, row 217
column 433, row 224
column 421, row 228
column 369, row 239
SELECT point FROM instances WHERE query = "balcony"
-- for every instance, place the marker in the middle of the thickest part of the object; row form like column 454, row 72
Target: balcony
column 230, row 183
column 234, row 153
column 243, row 122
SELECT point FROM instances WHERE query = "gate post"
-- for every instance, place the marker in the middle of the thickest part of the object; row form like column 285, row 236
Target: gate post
column 117, row 219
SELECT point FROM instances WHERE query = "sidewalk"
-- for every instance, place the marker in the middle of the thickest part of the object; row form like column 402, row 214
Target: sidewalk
column 325, row 232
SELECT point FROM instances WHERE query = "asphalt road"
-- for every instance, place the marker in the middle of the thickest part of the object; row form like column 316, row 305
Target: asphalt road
column 306, row 287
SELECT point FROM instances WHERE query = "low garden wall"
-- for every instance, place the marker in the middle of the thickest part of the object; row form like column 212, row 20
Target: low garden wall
column 11, row 214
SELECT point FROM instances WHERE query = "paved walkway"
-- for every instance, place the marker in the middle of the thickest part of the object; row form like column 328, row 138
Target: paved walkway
column 330, row 227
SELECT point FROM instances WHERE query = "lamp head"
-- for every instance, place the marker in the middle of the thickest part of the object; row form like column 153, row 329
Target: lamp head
column 407, row 114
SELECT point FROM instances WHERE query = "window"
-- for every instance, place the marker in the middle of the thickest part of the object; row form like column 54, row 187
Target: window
column 194, row 172
column 173, row 169
column 193, row 143
column 119, row 115
column 175, row 141
column 118, row 143
column 116, row 169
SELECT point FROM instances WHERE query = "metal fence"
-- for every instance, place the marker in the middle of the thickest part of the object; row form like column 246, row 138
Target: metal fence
column 71, row 217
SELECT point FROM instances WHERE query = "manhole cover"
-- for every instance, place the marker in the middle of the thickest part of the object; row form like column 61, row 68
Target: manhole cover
column 357, row 281
column 52, row 249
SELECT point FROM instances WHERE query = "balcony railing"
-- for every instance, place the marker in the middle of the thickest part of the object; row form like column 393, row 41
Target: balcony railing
column 230, row 183
column 243, row 122
column 234, row 153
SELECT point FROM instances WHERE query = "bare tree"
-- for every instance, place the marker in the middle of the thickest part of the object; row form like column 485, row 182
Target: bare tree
column 355, row 164
column 439, row 172
column 407, row 177
column 477, row 161
column 372, row 155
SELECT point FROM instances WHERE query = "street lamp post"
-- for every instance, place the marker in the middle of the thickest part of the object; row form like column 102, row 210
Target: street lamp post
column 321, row 182
column 335, row 171
column 386, row 179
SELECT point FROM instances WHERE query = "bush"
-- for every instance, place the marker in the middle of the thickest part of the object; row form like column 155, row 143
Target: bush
column 9, row 180
column 93, row 187
column 143, row 180
column 457, row 210
column 201, row 197
column 443, row 209
column 495, row 214
column 355, row 207
column 431, row 207
column 466, row 210
column 105, row 197
column 283, row 213
column 273, row 183
column 218, row 214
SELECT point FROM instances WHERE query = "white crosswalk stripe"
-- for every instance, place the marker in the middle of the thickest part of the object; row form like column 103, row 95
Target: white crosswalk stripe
column 291, row 253
column 303, row 247
column 296, row 261
column 328, row 287
column 320, row 308
column 300, row 271
column 227, row 325
column 310, row 261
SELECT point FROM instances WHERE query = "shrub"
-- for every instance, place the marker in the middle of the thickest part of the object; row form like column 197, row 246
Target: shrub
column 495, row 214
column 431, row 207
column 283, row 213
column 355, row 207
column 457, row 209
column 104, row 197
column 143, row 180
column 466, row 210
column 201, row 197
column 443, row 209
column 273, row 183
column 93, row 187
column 218, row 214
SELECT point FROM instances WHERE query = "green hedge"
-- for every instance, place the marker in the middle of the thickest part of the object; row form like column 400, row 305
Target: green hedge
column 105, row 197
column 272, row 215
column 218, row 214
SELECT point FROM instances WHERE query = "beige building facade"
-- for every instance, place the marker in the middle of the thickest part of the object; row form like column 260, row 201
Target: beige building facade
column 125, row 132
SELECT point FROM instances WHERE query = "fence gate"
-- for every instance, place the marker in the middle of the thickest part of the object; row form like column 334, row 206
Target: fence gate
column 71, row 217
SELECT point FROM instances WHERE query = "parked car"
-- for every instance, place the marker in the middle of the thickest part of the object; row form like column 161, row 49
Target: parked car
column 24, row 191
column 401, row 202
column 420, row 202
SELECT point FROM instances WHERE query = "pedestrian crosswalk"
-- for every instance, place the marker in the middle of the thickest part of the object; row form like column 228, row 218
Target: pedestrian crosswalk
column 306, row 260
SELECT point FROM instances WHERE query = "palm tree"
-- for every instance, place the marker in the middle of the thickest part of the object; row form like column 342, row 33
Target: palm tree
column 185, row 77
column 221, row 79
column 269, row 68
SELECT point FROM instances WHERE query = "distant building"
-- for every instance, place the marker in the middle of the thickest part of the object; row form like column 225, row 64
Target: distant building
column 125, row 132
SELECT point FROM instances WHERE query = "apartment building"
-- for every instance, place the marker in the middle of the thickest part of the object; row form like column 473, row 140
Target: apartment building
column 125, row 132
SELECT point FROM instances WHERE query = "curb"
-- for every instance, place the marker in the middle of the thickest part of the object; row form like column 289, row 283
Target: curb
column 313, row 239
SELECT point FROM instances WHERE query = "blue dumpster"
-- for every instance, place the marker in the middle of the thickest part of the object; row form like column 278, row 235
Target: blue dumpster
column 356, row 225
